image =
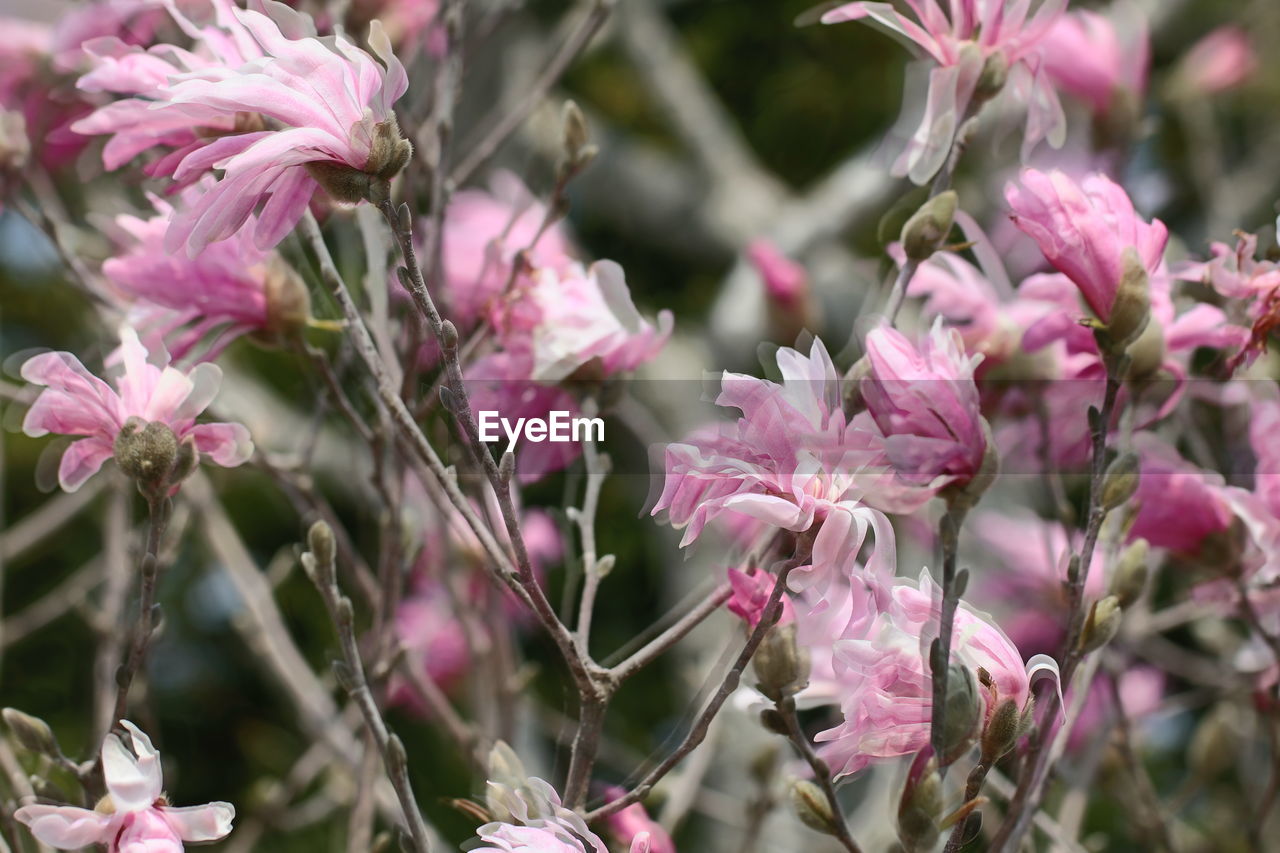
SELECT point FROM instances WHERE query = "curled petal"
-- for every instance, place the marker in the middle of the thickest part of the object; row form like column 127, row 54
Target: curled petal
column 66, row 827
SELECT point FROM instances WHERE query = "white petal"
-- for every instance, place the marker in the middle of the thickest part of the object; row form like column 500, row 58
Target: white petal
column 201, row 823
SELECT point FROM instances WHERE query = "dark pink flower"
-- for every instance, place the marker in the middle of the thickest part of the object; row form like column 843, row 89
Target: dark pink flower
column 751, row 595
column 633, row 828
column 75, row 402
column 1179, row 504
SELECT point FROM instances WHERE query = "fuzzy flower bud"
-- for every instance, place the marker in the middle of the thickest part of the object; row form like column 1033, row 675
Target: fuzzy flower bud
column 146, row 452
column 1130, row 575
column 1120, row 480
column 926, row 231
column 32, row 732
column 812, row 807
column 781, row 665
column 964, row 712
column 1102, row 624
column 1001, row 732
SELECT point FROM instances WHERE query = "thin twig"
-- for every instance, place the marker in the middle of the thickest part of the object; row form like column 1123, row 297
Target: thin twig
column 821, row 772
column 158, row 511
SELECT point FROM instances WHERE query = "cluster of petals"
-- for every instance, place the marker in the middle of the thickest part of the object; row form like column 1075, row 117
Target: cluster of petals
column 135, row 817
column 230, row 289
column 1098, row 58
column 535, row 821
column 75, row 402
column 1236, row 273
column 971, row 45
column 887, row 706
column 328, row 104
column 37, row 110
column 791, row 462
column 923, row 402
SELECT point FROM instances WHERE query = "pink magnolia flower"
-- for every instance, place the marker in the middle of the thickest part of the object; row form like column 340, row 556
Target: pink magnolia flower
column 483, row 232
column 1141, row 692
column 534, row 821
column 231, row 289
column 791, row 462
column 332, row 101
column 29, row 88
column 888, row 704
column 1179, row 504
column 1097, row 59
column 1220, row 61
column 1084, row 229
column 632, row 827
column 75, row 402
column 135, row 817
column 1237, row 275
column 924, row 403
column 751, row 595
column 970, row 48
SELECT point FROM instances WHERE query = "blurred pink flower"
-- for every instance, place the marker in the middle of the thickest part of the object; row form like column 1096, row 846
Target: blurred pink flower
column 1237, row 275
column 751, row 595
column 333, row 102
column 924, row 402
column 791, row 462
column 30, row 88
column 1178, row 503
column 1084, row 229
column 888, row 704
column 483, row 232
column 1141, row 692
column 1097, row 59
column 1220, row 61
column 786, row 289
column 632, row 827
column 231, row 289
column 975, row 42
column 75, row 402
column 138, row 819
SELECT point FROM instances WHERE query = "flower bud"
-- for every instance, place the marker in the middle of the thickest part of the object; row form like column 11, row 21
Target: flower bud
column 1001, row 732
column 926, row 231
column 1146, row 354
column 288, row 301
column 1130, row 575
column 574, row 129
column 146, row 452
column 390, row 152
column 920, row 805
column 1102, row 624
column 1131, row 309
column 812, row 807
column 32, row 733
column 781, row 666
column 964, row 712
column 1120, row 480
column 321, row 543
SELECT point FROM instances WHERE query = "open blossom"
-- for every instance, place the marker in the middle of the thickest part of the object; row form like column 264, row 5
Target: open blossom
column 972, row 49
column 533, row 820
column 1099, row 59
column 75, row 402
column 1179, row 504
column 331, row 100
column 1084, row 230
column 1238, row 275
column 1220, row 61
column 791, row 462
column 924, row 403
column 888, row 702
column 230, row 289
column 135, row 817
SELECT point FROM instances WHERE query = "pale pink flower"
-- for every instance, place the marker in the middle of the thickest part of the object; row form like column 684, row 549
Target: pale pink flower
column 791, row 462
column 1238, row 275
column 332, row 101
column 1220, row 61
column 139, row 819
column 1084, row 229
column 483, row 232
column 888, row 705
column 1097, row 59
column 1178, row 503
column 750, row 596
column 632, row 827
column 924, row 403
column 75, row 402
column 974, row 39
column 230, row 289
column 534, row 821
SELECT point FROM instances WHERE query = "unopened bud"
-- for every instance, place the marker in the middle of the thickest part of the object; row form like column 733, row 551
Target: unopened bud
column 505, row 767
column 964, row 711
column 32, row 733
column 146, row 452
column 321, row 543
column 995, row 73
column 1001, row 732
column 781, row 666
column 1102, row 624
column 574, row 128
column 812, row 807
column 1130, row 575
column 926, row 231
column 1131, row 309
column 920, row 806
column 1146, row 353
column 288, row 301
column 390, row 152
column 1120, row 480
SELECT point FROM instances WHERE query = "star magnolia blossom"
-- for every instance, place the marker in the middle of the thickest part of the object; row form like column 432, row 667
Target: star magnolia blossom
column 331, row 100
column 888, row 704
column 75, row 402
column 1179, row 504
column 232, row 287
column 134, row 817
column 924, row 403
column 791, row 462
column 1084, row 229
column 535, row 822
column 972, row 49
column 1098, row 60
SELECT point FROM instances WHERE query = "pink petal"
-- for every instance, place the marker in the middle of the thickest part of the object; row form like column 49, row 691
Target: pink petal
column 82, row 460
column 66, row 827
column 201, row 823
column 227, row 445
